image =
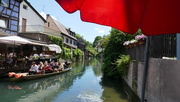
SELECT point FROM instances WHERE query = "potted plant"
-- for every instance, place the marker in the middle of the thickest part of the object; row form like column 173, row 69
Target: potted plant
column 134, row 42
column 126, row 43
column 141, row 39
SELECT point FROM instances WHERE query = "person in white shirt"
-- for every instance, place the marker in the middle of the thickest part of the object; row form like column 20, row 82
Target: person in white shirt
column 33, row 69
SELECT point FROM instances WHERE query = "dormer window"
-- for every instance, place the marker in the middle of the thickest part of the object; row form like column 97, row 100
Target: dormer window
column 25, row 7
column 4, row 3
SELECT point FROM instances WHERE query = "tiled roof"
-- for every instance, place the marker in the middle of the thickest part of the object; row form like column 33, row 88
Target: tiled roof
column 61, row 27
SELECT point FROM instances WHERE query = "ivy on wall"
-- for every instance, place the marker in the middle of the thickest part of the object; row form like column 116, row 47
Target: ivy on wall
column 56, row 40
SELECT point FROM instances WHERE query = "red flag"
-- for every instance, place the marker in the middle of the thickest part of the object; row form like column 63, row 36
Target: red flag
column 151, row 16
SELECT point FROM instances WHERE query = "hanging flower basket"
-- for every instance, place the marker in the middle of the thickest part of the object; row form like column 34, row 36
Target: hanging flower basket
column 141, row 42
column 136, row 43
column 127, row 46
column 131, row 45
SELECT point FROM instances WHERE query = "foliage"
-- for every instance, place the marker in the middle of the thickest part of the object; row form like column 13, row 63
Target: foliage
column 56, row 40
column 91, row 49
column 82, row 38
column 79, row 36
column 66, row 53
column 97, row 39
column 122, row 64
column 105, row 41
column 88, row 44
column 77, row 54
column 113, row 48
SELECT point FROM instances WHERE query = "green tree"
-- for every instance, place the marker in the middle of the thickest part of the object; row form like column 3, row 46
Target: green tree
column 77, row 54
column 88, row 45
column 97, row 39
column 91, row 49
column 113, row 49
column 66, row 53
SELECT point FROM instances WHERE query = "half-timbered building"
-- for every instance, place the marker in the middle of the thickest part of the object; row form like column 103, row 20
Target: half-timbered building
column 9, row 17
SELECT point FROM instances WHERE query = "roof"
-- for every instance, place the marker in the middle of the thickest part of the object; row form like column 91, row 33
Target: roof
column 34, row 10
column 63, row 29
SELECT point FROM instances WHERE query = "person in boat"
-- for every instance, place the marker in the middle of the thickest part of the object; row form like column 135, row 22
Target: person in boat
column 66, row 64
column 33, row 69
column 61, row 66
column 40, row 68
column 56, row 67
column 47, row 68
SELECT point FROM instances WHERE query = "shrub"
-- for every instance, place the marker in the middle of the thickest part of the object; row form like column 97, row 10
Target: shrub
column 77, row 54
column 123, row 64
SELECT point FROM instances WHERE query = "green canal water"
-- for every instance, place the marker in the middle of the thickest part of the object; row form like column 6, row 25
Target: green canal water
column 84, row 83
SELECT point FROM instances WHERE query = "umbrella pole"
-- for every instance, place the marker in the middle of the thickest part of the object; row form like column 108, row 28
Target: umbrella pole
column 145, row 72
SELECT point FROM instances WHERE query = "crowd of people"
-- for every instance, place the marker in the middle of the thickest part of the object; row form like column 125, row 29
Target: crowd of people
column 46, row 67
column 13, row 58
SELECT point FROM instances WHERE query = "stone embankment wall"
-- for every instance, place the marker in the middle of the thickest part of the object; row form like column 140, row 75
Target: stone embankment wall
column 163, row 80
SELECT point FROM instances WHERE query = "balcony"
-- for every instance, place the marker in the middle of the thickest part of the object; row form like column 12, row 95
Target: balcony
column 39, row 29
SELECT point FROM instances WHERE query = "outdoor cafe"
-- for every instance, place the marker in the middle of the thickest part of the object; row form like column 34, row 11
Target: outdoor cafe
column 18, row 53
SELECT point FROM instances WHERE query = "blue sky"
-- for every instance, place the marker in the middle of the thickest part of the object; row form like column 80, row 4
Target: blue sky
column 88, row 30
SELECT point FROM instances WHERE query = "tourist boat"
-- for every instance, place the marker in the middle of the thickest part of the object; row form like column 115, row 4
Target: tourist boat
column 25, row 76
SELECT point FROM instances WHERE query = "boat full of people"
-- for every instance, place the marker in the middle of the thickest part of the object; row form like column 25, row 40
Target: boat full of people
column 41, row 70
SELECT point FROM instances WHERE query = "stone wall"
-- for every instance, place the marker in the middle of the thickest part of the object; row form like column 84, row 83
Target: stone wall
column 163, row 80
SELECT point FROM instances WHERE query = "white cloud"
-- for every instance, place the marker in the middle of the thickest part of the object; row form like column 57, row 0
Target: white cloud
column 90, row 97
column 101, row 31
column 96, row 28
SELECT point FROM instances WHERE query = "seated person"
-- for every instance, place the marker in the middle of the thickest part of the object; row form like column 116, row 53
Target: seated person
column 9, row 58
column 61, row 66
column 66, row 64
column 33, row 69
column 40, row 67
column 21, row 55
column 56, row 67
column 47, row 68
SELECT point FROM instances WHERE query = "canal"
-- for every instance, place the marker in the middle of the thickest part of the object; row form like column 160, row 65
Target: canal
column 84, row 83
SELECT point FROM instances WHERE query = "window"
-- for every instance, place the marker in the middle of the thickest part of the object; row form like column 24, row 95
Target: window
column 3, row 22
column 67, row 40
column 48, row 24
column 70, row 41
column 25, row 7
column 74, row 42
column 4, row 3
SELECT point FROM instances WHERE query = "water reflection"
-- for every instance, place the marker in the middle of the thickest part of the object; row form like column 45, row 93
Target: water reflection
column 113, row 91
column 40, row 90
column 84, row 83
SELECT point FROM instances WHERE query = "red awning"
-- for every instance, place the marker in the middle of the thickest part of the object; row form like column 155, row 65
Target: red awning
column 153, row 17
